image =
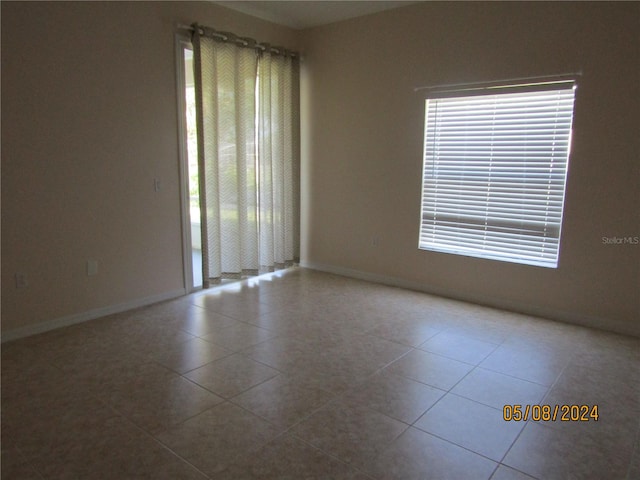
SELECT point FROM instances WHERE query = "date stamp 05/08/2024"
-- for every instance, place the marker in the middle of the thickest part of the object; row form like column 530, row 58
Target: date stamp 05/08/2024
column 550, row 413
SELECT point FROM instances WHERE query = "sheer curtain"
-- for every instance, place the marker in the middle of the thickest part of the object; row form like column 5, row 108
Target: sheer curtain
column 247, row 114
column 278, row 160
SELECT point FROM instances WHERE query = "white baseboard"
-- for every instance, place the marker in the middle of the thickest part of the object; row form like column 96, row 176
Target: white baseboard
column 534, row 310
column 89, row 315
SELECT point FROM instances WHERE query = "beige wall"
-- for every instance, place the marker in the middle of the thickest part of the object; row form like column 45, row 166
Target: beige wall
column 362, row 135
column 89, row 119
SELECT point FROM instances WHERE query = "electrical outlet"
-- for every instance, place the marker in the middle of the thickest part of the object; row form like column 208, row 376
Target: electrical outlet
column 157, row 184
column 92, row 268
column 21, row 280
column 375, row 241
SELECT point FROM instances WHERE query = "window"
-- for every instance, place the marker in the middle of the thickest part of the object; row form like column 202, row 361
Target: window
column 495, row 168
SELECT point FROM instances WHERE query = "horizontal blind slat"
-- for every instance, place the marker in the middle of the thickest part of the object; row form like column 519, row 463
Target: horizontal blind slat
column 495, row 168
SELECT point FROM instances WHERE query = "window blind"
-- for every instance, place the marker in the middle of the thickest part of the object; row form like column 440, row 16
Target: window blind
column 495, row 168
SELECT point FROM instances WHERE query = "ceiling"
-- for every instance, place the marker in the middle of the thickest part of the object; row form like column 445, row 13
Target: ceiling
column 306, row 14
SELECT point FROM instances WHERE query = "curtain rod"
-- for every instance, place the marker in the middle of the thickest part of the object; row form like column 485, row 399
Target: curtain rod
column 242, row 41
column 565, row 77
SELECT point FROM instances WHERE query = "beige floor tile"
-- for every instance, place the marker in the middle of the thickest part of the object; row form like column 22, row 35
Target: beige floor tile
column 155, row 340
column 166, row 313
column 49, row 345
column 320, row 337
column 612, row 376
column 231, row 375
column 156, row 403
column 214, row 440
column 203, row 322
column 16, row 467
column 611, row 415
column 129, row 339
column 634, row 466
column 435, row 313
column 374, row 351
column 548, row 453
column 471, row 425
column 93, row 354
column 349, row 433
column 283, row 353
column 237, row 305
column 239, row 336
column 600, row 345
column 281, row 320
column 458, row 347
column 345, row 365
column 496, row 389
column 538, row 364
column 190, row 355
column 31, row 385
column 115, row 450
column 335, row 369
column 507, row 473
column 288, row 458
column 613, row 389
column 534, row 331
column 99, row 374
column 397, row 397
column 417, row 455
column 434, row 370
column 482, row 324
column 405, row 331
column 46, row 430
column 283, row 401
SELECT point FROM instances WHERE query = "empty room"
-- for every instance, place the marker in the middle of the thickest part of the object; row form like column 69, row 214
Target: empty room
column 320, row 240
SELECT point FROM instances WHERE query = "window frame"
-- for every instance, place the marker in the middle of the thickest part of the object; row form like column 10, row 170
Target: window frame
column 489, row 246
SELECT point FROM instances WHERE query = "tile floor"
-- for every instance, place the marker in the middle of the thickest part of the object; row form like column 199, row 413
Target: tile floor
column 306, row 375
